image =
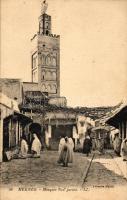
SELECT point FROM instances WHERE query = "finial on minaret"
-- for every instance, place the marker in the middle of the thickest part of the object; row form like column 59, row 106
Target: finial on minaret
column 44, row 6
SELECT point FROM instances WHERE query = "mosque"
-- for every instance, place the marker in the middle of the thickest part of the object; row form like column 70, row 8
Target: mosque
column 40, row 99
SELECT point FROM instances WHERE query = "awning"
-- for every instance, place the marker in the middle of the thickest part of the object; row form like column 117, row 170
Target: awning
column 101, row 128
column 118, row 117
column 63, row 122
column 20, row 117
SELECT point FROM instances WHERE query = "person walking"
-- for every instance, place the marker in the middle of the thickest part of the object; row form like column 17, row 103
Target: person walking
column 64, row 154
column 61, row 143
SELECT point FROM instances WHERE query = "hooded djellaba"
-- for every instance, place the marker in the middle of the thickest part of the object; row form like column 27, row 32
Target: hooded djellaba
column 24, row 147
column 117, row 144
column 36, row 146
column 65, row 156
column 87, row 145
column 61, row 144
column 124, row 149
column 71, row 148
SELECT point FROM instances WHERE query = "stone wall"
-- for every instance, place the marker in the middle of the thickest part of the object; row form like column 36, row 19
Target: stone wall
column 12, row 88
column 58, row 101
column 30, row 86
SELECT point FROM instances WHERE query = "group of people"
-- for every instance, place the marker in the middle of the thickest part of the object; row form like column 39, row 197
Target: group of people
column 93, row 144
column 35, row 147
column 120, row 147
column 66, row 147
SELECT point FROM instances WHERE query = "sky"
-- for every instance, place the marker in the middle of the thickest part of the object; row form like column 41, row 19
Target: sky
column 93, row 46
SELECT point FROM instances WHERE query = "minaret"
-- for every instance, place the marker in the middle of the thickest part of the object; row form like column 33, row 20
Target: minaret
column 44, row 20
column 45, row 56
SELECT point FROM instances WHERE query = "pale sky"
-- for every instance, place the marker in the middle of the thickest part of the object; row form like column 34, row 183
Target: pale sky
column 93, row 43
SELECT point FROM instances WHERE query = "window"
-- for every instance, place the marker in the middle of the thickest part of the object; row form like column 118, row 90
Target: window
column 46, row 25
column 48, row 75
column 42, row 60
column 43, row 75
column 34, row 62
column 54, row 61
column 47, row 32
column 35, row 76
column 43, row 88
column 54, row 75
column 54, row 89
column 48, row 60
column 49, row 88
column 82, row 123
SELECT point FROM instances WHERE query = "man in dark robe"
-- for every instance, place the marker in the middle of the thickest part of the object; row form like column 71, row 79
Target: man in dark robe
column 87, row 146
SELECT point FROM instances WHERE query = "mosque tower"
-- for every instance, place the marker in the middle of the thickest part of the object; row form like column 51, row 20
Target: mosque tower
column 45, row 56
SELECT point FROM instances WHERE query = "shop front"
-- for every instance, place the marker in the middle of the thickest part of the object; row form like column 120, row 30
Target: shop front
column 119, row 121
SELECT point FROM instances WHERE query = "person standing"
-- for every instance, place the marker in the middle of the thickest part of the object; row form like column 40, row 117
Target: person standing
column 124, row 149
column 71, row 150
column 117, row 144
column 36, row 146
column 93, row 144
column 87, row 145
column 101, row 145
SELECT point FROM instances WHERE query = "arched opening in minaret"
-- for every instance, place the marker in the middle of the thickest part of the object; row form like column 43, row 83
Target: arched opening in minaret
column 54, row 61
column 43, row 75
column 53, row 88
column 47, row 32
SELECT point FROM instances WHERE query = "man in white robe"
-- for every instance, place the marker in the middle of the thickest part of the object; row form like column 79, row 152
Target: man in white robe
column 61, row 143
column 36, row 146
column 71, row 147
column 24, row 148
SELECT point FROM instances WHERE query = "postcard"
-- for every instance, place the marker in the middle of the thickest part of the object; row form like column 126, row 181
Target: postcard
column 63, row 101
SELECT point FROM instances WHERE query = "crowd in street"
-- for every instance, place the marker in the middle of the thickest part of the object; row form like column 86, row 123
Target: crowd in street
column 67, row 147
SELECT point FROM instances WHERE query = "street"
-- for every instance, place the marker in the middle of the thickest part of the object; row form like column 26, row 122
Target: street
column 104, row 173
column 45, row 172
